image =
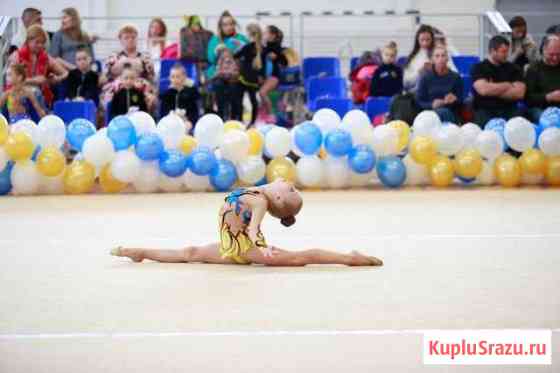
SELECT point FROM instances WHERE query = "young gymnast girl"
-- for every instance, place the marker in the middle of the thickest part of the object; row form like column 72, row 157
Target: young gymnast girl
column 241, row 239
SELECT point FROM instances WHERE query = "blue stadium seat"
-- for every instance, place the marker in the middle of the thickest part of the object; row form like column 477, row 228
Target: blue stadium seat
column 467, row 85
column 401, row 61
column 464, row 63
column 354, row 62
column 320, row 67
column 377, row 105
column 70, row 110
column 167, row 64
column 340, row 105
column 331, row 87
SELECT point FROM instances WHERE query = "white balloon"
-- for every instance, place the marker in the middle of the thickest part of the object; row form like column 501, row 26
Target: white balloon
column 3, row 158
column 126, row 166
column 326, row 119
column 278, row 142
column 143, row 122
column 486, row 176
column 52, row 131
column 416, row 173
column 520, row 134
column 532, row 179
column 362, row 133
column 98, row 150
column 356, row 117
column 147, row 180
column 469, row 132
column 171, row 129
column 309, row 171
column 385, row 140
column 27, row 126
column 362, row 180
column 549, row 141
column 196, row 183
column 337, row 172
column 235, row 146
column 251, row 170
column 51, row 185
column 25, row 178
column 449, row 139
column 489, row 144
column 170, row 184
column 426, row 123
column 209, row 131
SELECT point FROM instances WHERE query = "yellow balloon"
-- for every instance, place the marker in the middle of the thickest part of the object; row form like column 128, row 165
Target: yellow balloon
column 404, row 132
column 19, row 146
column 108, row 182
column 507, row 170
column 188, row 144
column 552, row 170
column 4, row 129
column 533, row 161
column 256, row 142
column 233, row 125
column 282, row 168
column 79, row 177
column 50, row 161
column 441, row 171
column 423, row 150
column 468, row 163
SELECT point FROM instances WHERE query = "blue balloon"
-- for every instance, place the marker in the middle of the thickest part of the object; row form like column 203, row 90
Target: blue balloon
column 223, row 176
column 36, row 153
column 6, row 179
column 498, row 125
column 308, row 138
column 338, row 142
column 173, row 163
column 362, row 159
column 149, row 147
column 550, row 118
column 122, row 133
column 264, row 129
column 391, row 171
column 78, row 131
column 201, row 161
column 262, row 181
column 466, row 180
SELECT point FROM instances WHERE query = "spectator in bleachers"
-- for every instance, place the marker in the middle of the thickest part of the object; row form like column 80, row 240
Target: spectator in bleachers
column 543, row 79
column 418, row 60
column 41, row 69
column 362, row 74
column 227, row 37
column 229, row 92
column 69, row 39
column 387, row 80
column 29, row 17
column 156, row 41
column 551, row 30
column 182, row 96
column 130, row 56
column 194, row 41
column 497, row 84
column 128, row 98
column 523, row 48
column 18, row 95
column 82, row 82
column 441, row 89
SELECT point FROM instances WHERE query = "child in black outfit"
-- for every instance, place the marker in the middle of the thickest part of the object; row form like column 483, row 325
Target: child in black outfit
column 181, row 97
column 229, row 91
column 128, row 98
column 387, row 80
column 82, row 82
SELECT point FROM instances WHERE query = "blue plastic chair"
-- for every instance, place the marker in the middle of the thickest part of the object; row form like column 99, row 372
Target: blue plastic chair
column 401, row 61
column 467, row 85
column 377, row 105
column 340, row 105
column 354, row 62
column 465, row 63
column 332, row 87
column 320, row 67
column 70, row 110
column 167, row 64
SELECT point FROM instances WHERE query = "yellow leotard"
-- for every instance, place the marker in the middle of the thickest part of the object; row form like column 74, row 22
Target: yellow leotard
column 234, row 244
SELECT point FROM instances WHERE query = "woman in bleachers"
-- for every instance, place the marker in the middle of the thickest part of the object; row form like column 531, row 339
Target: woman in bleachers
column 66, row 41
column 440, row 89
column 140, row 62
column 523, row 49
column 42, row 70
column 156, row 40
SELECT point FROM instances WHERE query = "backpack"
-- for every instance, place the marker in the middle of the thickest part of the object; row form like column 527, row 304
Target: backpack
column 403, row 107
column 228, row 69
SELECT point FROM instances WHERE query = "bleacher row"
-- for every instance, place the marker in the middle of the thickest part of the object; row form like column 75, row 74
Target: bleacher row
column 324, row 86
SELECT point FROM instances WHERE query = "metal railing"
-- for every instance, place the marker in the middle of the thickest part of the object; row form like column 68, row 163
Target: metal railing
column 8, row 28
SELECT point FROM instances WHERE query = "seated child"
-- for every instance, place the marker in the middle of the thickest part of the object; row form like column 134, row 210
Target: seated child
column 229, row 91
column 128, row 97
column 83, row 83
column 181, row 97
column 241, row 239
column 387, row 80
column 18, row 95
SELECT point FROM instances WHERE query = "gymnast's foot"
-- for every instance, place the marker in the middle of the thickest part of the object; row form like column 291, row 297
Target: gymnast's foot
column 359, row 259
column 134, row 254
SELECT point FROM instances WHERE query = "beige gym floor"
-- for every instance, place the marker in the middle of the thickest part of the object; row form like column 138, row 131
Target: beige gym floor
column 457, row 258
